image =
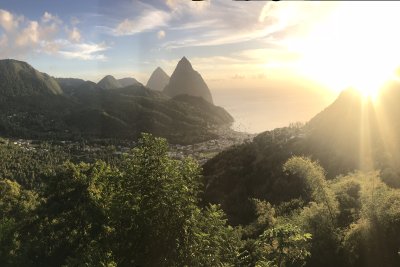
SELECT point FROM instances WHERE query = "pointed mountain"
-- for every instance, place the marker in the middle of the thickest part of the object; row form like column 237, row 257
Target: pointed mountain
column 109, row 82
column 18, row 78
column 186, row 81
column 358, row 133
column 158, row 80
column 124, row 82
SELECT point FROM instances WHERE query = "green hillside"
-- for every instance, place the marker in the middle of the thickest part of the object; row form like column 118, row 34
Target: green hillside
column 18, row 78
column 36, row 106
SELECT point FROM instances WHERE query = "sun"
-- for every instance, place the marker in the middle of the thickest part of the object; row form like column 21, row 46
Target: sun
column 356, row 46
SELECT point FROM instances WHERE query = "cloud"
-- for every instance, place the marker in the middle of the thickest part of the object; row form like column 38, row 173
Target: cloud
column 29, row 35
column 265, row 12
column 216, row 23
column 48, row 17
column 222, row 37
column 24, row 37
column 161, row 34
column 84, row 51
column 179, row 6
column 74, row 35
column 8, row 21
column 224, row 24
column 148, row 20
column 196, row 25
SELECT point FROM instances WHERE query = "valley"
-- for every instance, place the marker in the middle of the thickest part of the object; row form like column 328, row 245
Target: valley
column 215, row 133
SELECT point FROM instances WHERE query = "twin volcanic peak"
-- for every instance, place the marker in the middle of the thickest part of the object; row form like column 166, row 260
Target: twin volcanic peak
column 20, row 79
column 158, row 80
column 186, row 81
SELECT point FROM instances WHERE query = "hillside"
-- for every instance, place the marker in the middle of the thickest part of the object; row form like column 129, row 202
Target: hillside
column 71, row 86
column 344, row 137
column 67, row 108
column 18, row 78
column 109, row 82
column 128, row 82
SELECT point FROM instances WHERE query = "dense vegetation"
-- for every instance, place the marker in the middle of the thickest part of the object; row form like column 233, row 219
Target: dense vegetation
column 340, row 138
column 302, row 195
column 19, row 79
column 144, row 209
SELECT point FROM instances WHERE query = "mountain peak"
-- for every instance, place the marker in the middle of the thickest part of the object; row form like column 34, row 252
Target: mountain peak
column 109, row 82
column 184, row 63
column 109, row 77
column 18, row 78
column 158, row 80
column 186, row 81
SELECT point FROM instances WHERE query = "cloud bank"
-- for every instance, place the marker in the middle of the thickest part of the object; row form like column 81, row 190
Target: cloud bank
column 21, row 37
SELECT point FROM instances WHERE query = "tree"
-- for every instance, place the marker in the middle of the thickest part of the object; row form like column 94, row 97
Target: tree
column 320, row 216
column 71, row 219
column 15, row 205
column 155, row 213
column 314, row 175
column 214, row 243
column 283, row 245
column 375, row 237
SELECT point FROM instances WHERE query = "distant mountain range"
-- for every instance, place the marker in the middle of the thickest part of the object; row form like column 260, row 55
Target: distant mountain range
column 35, row 105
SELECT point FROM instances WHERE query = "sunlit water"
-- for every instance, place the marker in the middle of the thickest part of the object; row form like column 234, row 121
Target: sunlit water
column 257, row 110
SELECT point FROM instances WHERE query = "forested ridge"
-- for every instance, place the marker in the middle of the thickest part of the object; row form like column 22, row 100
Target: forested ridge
column 143, row 208
column 34, row 105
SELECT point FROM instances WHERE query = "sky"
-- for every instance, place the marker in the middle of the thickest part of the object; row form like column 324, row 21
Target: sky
column 277, row 61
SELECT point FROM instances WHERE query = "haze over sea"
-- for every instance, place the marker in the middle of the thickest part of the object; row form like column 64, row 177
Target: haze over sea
column 260, row 109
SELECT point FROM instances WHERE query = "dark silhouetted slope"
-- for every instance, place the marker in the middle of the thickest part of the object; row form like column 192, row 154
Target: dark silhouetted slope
column 350, row 134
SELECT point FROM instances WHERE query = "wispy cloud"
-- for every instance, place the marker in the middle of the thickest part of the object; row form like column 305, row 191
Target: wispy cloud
column 48, row 17
column 85, row 51
column 179, row 6
column 223, row 24
column 148, row 20
column 197, row 25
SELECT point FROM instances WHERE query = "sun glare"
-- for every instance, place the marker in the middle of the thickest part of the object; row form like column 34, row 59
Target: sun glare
column 357, row 46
